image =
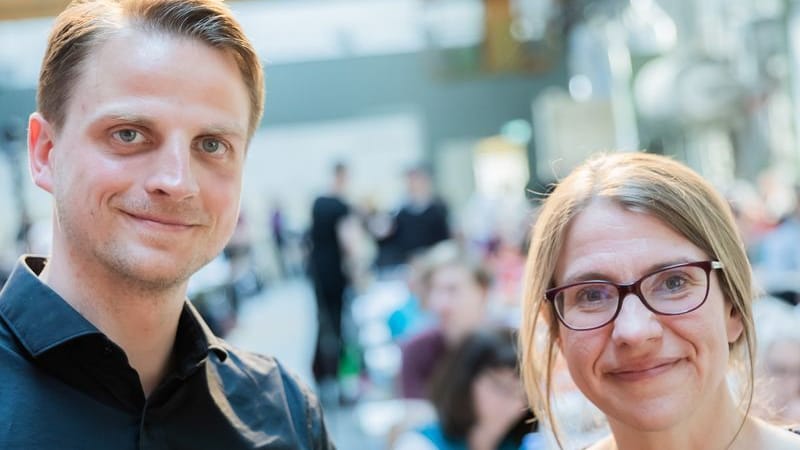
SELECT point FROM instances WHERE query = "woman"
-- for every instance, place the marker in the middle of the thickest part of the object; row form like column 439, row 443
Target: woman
column 637, row 276
column 478, row 397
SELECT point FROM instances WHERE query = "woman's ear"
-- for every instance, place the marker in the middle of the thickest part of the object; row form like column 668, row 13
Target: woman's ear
column 41, row 140
column 557, row 337
column 734, row 326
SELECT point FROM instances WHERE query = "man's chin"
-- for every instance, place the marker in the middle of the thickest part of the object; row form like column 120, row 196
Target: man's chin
column 157, row 281
column 157, row 274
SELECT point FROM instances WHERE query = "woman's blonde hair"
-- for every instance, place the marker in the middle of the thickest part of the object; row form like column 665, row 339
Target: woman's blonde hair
column 641, row 182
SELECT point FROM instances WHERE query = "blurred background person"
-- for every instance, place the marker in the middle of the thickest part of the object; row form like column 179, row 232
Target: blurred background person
column 411, row 317
column 245, row 279
column 421, row 221
column 329, row 219
column 456, row 289
column 277, row 233
column 778, row 365
column 478, row 397
column 778, row 258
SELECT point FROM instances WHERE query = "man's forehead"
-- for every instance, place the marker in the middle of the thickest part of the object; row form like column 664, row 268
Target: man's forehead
column 130, row 71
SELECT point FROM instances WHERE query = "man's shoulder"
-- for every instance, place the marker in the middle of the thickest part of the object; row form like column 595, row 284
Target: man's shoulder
column 258, row 368
column 10, row 347
column 265, row 378
column 267, row 386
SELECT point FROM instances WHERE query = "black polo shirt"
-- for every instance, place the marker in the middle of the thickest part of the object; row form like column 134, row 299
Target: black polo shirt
column 65, row 385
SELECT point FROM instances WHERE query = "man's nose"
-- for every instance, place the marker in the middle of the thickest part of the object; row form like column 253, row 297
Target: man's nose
column 173, row 171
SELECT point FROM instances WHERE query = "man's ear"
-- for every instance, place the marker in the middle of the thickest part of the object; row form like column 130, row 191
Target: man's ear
column 41, row 140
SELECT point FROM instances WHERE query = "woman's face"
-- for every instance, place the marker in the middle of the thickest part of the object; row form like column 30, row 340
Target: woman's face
column 643, row 370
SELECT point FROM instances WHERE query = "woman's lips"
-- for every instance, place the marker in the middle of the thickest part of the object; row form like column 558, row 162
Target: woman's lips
column 644, row 370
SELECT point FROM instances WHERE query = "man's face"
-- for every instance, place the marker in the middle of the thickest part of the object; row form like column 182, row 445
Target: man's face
column 419, row 186
column 146, row 170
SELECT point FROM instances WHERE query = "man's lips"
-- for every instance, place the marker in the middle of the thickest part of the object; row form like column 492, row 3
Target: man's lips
column 165, row 221
column 641, row 370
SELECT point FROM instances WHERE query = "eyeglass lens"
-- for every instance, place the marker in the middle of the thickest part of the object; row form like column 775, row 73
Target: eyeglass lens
column 671, row 291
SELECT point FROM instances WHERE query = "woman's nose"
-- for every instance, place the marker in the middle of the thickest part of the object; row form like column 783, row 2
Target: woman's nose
column 635, row 323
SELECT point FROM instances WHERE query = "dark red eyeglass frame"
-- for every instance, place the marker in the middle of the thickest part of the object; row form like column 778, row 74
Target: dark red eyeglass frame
column 634, row 288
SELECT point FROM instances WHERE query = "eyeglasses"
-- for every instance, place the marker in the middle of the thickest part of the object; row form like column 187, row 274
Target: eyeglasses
column 670, row 291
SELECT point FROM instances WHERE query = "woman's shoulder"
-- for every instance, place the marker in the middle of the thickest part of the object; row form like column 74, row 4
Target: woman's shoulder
column 603, row 444
column 778, row 438
column 795, row 429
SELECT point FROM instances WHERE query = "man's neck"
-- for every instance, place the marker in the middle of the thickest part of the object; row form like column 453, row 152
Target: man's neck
column 143, row 323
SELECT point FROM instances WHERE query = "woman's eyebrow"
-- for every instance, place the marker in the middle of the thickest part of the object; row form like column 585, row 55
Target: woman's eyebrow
column 601, row 276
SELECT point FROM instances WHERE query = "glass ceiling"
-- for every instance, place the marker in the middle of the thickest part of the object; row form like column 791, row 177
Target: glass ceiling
column 286, row 32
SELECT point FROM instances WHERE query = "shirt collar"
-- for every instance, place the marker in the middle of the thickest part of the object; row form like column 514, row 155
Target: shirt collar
column 42, row 320
column 193, row 331
column 36, row 314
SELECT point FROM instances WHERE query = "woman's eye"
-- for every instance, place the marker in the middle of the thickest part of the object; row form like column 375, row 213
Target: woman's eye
column 593, row 295
column 674, row 283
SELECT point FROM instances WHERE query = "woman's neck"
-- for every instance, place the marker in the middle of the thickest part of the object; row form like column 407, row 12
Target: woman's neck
column 714, row 426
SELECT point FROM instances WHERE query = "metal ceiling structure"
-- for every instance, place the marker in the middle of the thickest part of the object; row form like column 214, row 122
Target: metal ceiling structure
column 29, row 9
column 26, row 9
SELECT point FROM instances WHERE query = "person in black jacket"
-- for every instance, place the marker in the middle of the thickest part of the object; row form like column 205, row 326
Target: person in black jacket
column 145, row 112
column 420, row 222
column 330, row 215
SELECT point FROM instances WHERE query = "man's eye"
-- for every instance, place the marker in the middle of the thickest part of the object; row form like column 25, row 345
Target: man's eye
column 128, row 136
column 210, row 145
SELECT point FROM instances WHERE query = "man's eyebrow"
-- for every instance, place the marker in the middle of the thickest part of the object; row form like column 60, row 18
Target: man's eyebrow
column 132, row 119
column 226, row 130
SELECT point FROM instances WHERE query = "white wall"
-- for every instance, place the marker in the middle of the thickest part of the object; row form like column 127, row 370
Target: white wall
column 294, row 163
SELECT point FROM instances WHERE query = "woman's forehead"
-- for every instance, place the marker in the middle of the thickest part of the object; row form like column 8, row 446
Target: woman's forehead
column 607, row 237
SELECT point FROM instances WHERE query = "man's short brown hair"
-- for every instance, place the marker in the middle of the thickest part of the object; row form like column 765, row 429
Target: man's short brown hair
column 86, row 23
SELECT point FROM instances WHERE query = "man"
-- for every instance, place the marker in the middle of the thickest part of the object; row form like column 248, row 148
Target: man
column 419, row 224
column 145, row 111
column 330, row 216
